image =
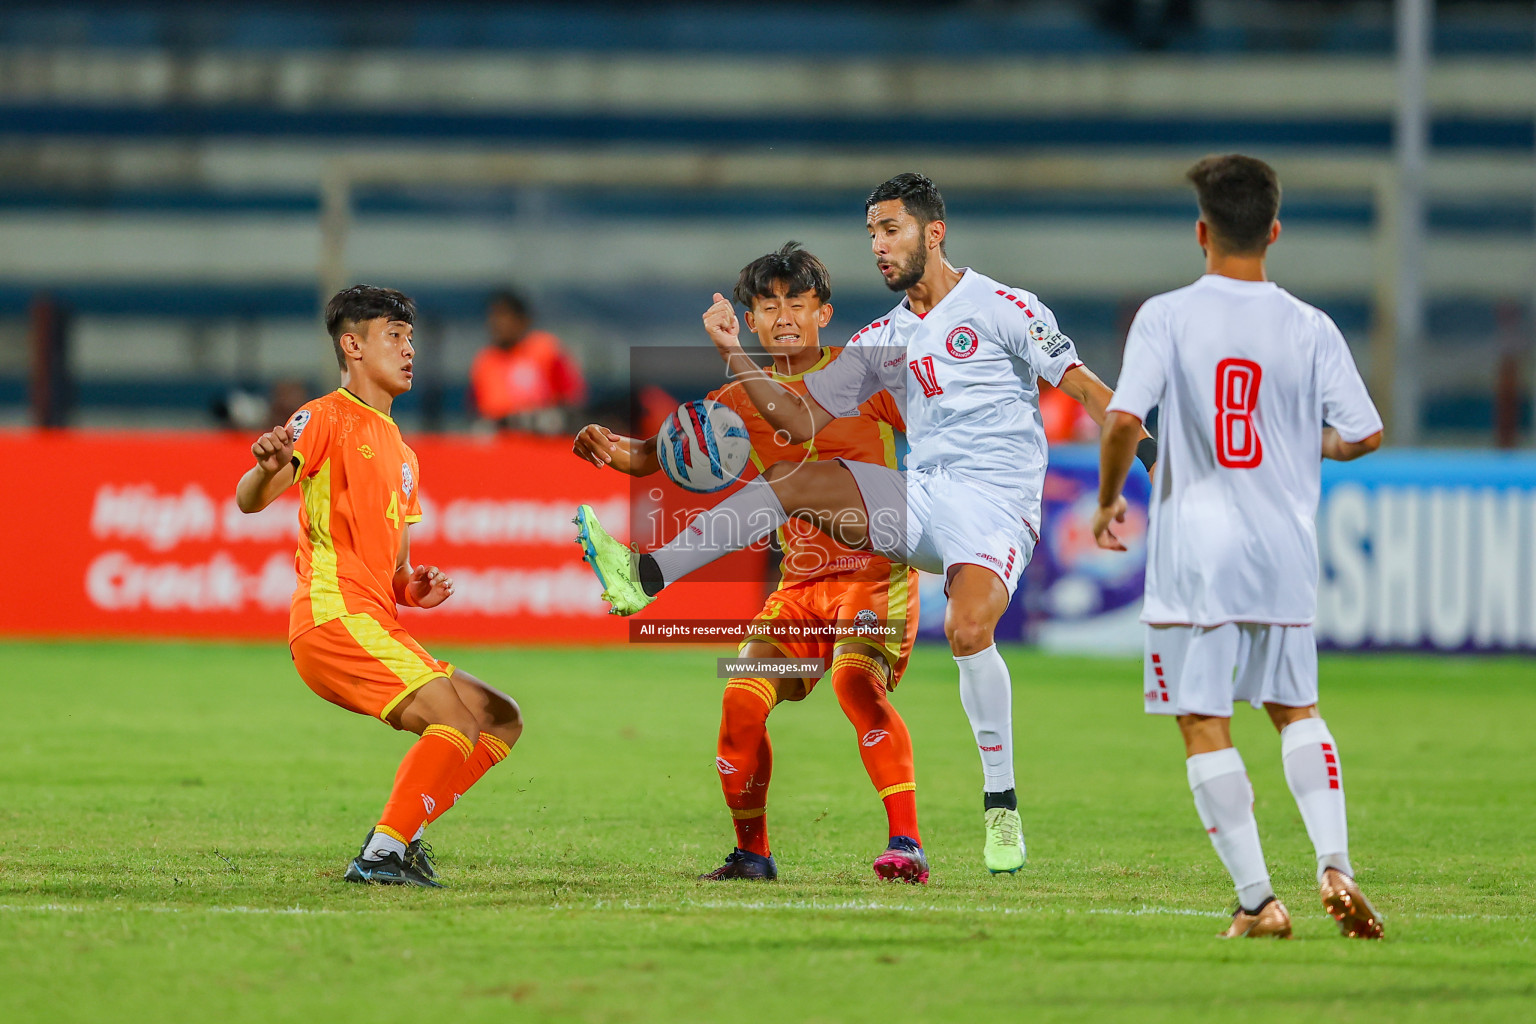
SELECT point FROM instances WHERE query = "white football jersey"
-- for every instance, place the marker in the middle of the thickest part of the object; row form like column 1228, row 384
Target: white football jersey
column 1245, row 375
column 965, row 376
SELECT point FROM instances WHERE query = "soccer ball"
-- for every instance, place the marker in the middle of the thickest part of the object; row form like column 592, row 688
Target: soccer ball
column 703, row 446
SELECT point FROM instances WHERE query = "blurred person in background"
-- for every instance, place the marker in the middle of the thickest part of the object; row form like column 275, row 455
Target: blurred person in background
column 524, row 379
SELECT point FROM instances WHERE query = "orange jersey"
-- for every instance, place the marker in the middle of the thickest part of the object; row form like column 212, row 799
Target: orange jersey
column 869, row 437
column 358, row 483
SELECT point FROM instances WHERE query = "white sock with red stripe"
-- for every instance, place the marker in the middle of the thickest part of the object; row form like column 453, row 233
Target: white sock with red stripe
column 986, row 693
column 1224, row 798
column 1311, row 762
column 739, row 521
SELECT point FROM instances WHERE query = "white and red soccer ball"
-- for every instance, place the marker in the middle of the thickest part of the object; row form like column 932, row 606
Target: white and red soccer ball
column 703, row 446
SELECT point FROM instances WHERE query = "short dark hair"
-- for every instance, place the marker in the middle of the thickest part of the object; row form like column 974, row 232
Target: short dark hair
column 513, row 301
column 790, row 264
column 919, row 196
column 1239, row 199
column 359, row 304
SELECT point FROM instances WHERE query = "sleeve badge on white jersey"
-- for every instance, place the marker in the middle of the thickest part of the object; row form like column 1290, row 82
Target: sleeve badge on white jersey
column 297, row 424
column 961, row 342
column 1051, row 341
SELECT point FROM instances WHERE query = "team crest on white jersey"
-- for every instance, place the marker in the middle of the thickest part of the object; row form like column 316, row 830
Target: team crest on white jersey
column 297, row 424
column 407, row 479
column 1051, row 341
column 961, row 342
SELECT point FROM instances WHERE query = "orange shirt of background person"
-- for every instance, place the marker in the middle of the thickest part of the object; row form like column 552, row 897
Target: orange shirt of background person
column 522, row 370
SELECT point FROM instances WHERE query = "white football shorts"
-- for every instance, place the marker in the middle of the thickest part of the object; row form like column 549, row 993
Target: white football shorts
column 934, row 521
column 1204, row 670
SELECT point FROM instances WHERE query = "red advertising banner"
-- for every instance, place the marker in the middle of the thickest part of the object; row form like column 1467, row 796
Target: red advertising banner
column 137, row 534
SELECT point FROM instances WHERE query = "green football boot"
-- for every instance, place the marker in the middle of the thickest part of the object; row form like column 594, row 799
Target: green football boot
column 616, row 566
column 1005, row 841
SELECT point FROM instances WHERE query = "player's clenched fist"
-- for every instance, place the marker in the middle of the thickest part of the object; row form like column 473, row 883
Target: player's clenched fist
column 595, row 444
column 721, row 325
column 1102, row 518
column 427, row 587
column 273, row 450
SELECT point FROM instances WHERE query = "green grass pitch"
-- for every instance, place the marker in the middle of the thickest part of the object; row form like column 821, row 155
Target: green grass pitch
column 175, row 820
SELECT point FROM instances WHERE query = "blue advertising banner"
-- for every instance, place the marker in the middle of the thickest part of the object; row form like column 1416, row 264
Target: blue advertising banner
column 1429, row 550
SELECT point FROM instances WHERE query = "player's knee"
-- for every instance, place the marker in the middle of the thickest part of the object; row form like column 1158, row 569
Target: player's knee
column 503, row 719
column 746, row 700
column 857, row 688
column 967, row 636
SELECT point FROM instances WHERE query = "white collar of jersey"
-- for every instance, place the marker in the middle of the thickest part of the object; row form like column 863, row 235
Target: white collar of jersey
column 1223, row 281
column 904, row 308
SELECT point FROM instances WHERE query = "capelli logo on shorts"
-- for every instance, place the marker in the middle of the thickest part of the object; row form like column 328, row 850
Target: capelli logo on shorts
column 990, row 558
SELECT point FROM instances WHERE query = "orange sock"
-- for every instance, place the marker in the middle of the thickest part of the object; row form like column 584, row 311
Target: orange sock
column 884, row 743
column 423, row 780
column 488, row 753
column 745, row 759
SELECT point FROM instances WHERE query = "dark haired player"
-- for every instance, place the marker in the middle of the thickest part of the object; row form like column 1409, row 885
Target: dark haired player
column 360, row 488
column 961, row 355
column 1245, row 375
column 825, row 584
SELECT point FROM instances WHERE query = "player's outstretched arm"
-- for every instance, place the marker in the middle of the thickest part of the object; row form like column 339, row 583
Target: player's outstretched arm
column 1117, row 448
column 1340, row 450
column 1084, row 386
column 272, row 474
column 799, row 417
column 422, row 586
column 602, row 447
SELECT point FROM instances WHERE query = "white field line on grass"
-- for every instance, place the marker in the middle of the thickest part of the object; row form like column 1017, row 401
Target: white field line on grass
column 64, row 909
column 1145, row 910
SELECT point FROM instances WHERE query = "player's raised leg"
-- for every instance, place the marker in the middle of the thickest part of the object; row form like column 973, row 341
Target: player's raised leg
column 1313, row 772
column 977, row 600
column 860, row 675
column 823, row 493
column 745, row 763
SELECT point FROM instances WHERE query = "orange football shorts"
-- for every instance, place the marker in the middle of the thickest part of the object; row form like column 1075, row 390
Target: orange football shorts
column 881, row 614
column 364, row 663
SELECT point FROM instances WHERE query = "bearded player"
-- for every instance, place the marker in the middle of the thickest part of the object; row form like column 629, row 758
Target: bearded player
column 825, row 584
column 360, row 490
column 960, row 355
column 1245, row 375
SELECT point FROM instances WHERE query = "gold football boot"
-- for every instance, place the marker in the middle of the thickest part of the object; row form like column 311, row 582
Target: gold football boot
column 1271, row 921
column 1347, row 905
